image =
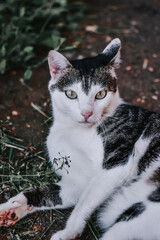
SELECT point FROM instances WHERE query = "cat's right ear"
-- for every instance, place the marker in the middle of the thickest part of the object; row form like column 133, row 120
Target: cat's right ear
column 57, row 64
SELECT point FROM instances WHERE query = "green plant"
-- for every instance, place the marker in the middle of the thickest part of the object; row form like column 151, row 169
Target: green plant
column 21, row 167
column 24, row 167
column 28, row 27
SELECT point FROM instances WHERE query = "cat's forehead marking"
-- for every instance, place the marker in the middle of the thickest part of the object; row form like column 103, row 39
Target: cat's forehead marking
column 103, row 77
column 90, row 69
column 77, row 87
column 86, row 83
column 94, row 73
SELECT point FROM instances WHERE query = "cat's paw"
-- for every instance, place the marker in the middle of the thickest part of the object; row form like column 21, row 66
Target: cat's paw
column 74, row 228
column 64, row 235
column 13, row 210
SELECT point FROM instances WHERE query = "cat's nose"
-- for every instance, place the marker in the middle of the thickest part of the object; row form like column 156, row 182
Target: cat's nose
column 86, row 115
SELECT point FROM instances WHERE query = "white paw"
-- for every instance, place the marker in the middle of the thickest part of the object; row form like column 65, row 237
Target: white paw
column 13, row 210
column 74, row 228
column 64, row 235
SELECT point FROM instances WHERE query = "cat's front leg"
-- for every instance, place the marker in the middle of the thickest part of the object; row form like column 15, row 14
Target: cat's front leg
column 73, row 229
column 65, row 235
column 48, row 197
column 97, row 191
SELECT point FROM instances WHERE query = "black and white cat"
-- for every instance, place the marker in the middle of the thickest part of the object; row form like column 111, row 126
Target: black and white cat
column 114, row 150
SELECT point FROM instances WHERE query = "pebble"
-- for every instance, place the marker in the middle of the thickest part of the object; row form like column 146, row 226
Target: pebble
column 126, row 31
column 108, row 38
column 151, row 69
column 128, row 68
column 138, row 100
column 14, row 113
column 134, row 23
column 156, row 80
column 154, row 97
column 93, row 54
column 80, row 57
column 154, row 55
column 45, row 104
column 21, row 80
column 91, row 28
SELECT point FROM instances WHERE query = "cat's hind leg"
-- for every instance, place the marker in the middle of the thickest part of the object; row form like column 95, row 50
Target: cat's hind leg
column 117, row 232
column 140, row 223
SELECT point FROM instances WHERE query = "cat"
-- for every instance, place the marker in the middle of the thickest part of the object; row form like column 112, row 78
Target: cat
column 114, row 151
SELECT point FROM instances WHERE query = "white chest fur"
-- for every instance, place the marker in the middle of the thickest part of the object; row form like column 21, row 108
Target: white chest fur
column 82, row 145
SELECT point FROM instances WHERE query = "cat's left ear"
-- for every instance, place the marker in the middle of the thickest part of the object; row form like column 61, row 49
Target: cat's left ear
column 58, row 64
column 112, row 52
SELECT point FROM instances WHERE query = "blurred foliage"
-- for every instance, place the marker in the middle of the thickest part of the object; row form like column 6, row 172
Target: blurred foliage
column 27, row 26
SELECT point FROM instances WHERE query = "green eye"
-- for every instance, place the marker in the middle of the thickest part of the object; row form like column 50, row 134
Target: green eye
column 71, row 94
column 101, row 94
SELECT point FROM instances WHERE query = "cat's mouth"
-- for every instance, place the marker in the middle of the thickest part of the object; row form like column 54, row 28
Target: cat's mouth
column 86, row 123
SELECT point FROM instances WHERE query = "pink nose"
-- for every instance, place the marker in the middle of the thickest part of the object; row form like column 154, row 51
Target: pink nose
column 86, row 115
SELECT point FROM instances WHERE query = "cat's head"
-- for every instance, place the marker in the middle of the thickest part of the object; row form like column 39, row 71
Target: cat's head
column 85, row 91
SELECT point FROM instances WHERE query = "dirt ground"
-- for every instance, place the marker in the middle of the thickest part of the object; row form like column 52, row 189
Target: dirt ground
column 136, row 23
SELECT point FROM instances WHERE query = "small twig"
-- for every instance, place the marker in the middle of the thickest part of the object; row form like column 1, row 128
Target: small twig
column 93, row 233
column 17, row 139
column 47, row 230
column 10, row 154
column 14, row 146
column 41, row 158
column 38, row 109
column 29, row 175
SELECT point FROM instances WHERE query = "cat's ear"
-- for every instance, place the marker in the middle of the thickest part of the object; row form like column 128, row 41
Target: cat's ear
column 58, row 64
column 112, row 52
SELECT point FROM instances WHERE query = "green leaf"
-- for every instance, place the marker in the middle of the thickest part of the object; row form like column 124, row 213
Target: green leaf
column 73, row 25
column 53, row 41
column 3, row 66
column 27, row 75
column 10, row 1
column 3, row 6
column 63, row 3
column 28, row 49
column 3, row 51
column 28, row 57
column 57, row 42
column 22, row 12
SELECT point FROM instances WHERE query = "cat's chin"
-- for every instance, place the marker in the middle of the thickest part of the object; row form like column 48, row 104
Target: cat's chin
column 86, row 124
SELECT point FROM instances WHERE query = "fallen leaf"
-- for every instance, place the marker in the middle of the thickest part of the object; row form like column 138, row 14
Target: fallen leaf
column 145, row 63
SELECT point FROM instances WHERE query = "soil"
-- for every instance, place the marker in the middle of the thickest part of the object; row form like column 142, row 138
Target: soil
column 136, row 23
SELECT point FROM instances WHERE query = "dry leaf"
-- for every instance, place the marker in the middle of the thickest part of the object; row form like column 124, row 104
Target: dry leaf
column 145, row 63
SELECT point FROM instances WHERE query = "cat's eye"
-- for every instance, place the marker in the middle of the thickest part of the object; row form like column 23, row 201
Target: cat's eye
column 101, row 94
column 71, row 94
